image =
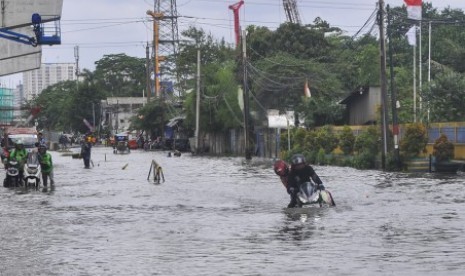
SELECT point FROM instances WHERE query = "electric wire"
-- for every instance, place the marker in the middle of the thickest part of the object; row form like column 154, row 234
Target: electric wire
column 370, row 19
column 232, row 112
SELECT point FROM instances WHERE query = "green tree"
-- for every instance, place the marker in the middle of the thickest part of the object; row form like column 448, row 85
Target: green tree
column 446, row 97
column 150, row 118
column 219, row 108
column 211, row 50
column 54, row 103
column 65, row 105
column 120, row 75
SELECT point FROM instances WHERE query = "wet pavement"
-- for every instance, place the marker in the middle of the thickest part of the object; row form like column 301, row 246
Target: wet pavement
column 223, row 216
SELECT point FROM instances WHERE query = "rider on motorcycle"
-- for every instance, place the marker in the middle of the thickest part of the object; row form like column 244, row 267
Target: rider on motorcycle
column 19, row 153
column 300, row 172
column 46, row 164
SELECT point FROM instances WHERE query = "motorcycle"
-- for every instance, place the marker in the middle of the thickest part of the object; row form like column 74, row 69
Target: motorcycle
column 12, row 174
column 32, row 170
column 310, row 194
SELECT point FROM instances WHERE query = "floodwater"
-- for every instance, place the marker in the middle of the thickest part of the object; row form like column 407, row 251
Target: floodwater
column 222, row 216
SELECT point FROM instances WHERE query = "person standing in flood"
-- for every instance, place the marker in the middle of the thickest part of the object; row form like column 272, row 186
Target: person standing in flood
column 86, row 147
column 46, row 165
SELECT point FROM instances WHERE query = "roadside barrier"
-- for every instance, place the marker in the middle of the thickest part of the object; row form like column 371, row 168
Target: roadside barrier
column 157, row 172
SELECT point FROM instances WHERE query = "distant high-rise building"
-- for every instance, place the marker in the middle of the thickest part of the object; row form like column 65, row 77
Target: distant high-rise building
column 49, row 73
column 18, row 100
column 6, row 106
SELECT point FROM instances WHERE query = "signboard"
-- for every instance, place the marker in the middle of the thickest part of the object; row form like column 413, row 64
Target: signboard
column 276, row 120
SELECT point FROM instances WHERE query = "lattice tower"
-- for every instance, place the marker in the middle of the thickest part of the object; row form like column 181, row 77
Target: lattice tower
column 292, row 13
column 168, row 44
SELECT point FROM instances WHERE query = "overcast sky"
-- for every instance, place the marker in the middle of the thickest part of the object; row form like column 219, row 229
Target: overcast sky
column 102, row 27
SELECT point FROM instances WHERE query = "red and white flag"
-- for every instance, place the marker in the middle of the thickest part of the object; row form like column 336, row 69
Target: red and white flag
column 413, row 9
column 307, row 90
column 412, row 36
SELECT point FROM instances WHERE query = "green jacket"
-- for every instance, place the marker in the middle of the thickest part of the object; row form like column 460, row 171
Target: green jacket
column 46, row 163
column 19, row 155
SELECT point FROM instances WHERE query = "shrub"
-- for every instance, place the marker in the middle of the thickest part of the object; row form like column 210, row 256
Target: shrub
column 367, row 141
column 321, row 157
column 414, row 141
column 347, row 140
column 299, row 137
column 364, row 160
column 443, row 150
column 326, row 139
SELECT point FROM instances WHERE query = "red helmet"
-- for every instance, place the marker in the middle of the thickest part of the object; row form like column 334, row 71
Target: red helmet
column 281, row 168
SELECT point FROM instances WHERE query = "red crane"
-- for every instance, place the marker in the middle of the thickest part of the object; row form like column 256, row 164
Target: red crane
column 235, row 8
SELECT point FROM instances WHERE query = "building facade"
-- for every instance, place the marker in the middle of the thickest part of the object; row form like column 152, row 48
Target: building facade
column 49, row 73
column 362, row 105
column 117, row 112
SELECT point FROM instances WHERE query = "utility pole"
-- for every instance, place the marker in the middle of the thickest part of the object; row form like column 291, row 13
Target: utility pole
column 395, row 123
column 384, row 115
column 148, row 88
column 197, row 106
column 246, row 98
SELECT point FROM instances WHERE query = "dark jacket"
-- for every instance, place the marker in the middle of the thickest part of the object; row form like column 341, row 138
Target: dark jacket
column 85, row 149
column 302, row 175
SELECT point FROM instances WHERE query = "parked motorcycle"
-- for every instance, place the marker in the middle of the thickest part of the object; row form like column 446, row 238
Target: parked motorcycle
column 310, row 194
column 12, row 174
column 32, row 171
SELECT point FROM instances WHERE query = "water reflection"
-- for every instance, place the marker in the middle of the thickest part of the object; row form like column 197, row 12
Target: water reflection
column 300, row 223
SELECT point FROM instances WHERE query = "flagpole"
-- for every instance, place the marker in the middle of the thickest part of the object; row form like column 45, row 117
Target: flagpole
column 414, row 11
column 414, row 81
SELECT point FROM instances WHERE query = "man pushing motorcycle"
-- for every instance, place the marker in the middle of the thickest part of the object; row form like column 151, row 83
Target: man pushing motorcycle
column 299, row 172
column 46, row 164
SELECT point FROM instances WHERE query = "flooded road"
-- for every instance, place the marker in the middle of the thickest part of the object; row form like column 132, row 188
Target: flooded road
column 221, row 216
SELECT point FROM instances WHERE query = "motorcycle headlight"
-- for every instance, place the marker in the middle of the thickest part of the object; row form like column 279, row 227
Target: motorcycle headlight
column 13, row 171
column 32, row 170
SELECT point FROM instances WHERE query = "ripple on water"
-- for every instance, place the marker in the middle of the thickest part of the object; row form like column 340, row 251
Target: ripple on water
column 222, row 216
